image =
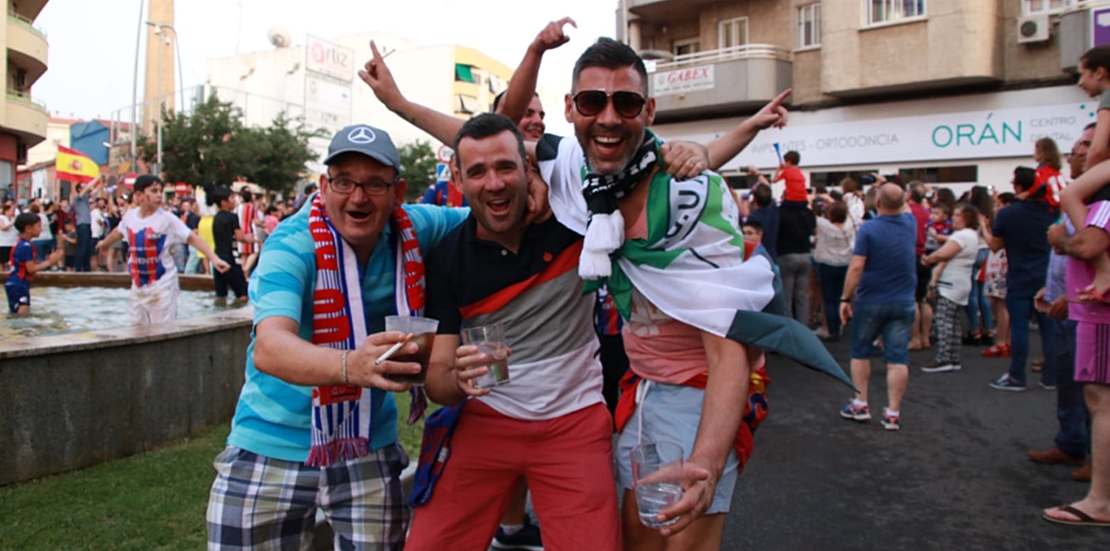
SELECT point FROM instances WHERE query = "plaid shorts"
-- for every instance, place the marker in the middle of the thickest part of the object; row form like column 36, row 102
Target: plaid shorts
column 261, row 503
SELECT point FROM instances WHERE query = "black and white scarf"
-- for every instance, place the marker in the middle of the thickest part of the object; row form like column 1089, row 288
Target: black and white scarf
column 605, row 229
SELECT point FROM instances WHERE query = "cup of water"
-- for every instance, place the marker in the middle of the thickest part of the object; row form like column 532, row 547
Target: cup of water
column 657, row 479
column 490, row 340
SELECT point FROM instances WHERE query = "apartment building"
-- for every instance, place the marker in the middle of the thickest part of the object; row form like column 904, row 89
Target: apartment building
column 329, row 95
column 948, row 91
column 22, row 119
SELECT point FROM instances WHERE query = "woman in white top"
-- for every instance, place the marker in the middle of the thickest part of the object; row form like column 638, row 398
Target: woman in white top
column 853, row 199
column 8, row 235
column 951, row 285
column 836, row 236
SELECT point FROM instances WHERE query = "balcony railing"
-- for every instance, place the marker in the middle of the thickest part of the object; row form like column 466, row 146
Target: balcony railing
column 23, row 21
column 25, row 98
column 747, row 51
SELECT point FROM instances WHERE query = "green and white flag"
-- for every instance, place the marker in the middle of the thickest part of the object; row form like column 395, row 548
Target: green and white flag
column 692, row 264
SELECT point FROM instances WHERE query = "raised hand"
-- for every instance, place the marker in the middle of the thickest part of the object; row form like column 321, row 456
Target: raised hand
column 772, row 114
column 377, row 76
column 552, row 36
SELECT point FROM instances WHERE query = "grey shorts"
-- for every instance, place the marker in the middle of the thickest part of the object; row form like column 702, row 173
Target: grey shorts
column 671, row 413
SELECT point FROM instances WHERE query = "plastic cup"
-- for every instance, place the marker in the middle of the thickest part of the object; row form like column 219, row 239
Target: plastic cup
column 424, row 335
column 657, row 479
column 490, row 340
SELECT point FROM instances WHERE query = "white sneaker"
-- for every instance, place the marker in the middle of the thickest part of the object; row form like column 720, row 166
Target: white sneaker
column 940, row 367
column 821, row 332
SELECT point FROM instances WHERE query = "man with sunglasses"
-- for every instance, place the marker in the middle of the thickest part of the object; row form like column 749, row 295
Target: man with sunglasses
column 270, row 478
column 691, row 384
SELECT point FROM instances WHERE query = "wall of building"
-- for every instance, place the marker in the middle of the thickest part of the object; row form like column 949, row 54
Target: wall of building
column 57, row 133
column 957, row 41
column 263, row 83
column 958, row 46
column 89, row 138
column 8, row 159
column 1035, row 61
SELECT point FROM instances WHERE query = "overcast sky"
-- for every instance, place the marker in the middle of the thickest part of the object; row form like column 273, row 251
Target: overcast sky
column 92, row 43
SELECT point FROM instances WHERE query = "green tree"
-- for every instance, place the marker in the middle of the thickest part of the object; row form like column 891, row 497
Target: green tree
column 280, row 153
column 211, row 143
column 419, row 163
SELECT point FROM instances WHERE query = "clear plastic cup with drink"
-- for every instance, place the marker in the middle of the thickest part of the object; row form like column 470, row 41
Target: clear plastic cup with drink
column 657, row 479
column 424, row 335
column 490, row 340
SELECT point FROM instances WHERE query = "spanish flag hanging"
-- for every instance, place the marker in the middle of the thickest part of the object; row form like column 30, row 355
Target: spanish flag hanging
column 73, row 166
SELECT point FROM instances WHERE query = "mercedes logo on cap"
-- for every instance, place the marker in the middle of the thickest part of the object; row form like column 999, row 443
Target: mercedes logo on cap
column 361, row 135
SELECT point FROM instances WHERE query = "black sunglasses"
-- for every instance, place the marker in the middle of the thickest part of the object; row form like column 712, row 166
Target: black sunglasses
column 592, row 102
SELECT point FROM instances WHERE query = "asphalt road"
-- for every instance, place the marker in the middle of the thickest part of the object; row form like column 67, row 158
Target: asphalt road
column 954, row 477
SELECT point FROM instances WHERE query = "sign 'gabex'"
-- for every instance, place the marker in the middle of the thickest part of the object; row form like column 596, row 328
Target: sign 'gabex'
column 682, row 80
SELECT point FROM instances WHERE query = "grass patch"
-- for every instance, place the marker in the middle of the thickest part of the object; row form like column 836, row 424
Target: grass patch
column 146, row 502
column 150, row 501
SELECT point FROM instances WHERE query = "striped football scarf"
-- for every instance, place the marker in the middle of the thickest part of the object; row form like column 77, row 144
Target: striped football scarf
column 605, row 229
column 341, row 423
column 247, row 215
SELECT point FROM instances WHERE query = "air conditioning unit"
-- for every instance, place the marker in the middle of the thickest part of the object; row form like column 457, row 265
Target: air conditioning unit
column 1033, row 28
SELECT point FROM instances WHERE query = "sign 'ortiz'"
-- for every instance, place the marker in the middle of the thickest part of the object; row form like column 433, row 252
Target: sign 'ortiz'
column 329, row 59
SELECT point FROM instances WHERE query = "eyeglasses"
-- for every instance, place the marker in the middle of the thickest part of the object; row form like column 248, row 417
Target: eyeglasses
column 373, row 189
column 591, row 102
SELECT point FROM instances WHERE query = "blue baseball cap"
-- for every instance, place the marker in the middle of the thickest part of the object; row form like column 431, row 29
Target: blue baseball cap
column 367, row 140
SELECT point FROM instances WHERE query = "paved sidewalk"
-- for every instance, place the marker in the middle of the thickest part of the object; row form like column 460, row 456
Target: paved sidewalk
column 955, row 477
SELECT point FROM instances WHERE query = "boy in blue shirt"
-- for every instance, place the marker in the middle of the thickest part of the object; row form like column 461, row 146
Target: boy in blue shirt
column 24, row 267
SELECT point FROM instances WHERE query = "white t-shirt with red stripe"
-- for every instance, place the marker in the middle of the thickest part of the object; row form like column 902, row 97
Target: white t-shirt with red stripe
column 149, row 260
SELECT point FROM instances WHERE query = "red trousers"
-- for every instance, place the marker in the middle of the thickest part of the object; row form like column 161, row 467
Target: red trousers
column 567, row 461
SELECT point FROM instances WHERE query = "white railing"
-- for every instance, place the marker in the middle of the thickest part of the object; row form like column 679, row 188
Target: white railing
column 747, row 51
column 25, row 98
column 21, row 20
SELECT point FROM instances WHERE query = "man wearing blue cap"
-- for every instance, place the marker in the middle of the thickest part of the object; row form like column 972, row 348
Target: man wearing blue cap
column 316, row 423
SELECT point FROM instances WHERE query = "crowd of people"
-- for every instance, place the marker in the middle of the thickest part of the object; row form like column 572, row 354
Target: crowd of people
column 76, row 227
column 138, row 232
column 896, row 265
column 562, row 234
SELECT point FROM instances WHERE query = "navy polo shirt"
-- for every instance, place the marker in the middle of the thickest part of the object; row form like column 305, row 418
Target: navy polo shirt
column 1023, row 226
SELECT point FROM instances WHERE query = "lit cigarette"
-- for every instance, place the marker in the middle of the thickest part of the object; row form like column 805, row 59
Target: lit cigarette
column 389, row 53
column 393, row 350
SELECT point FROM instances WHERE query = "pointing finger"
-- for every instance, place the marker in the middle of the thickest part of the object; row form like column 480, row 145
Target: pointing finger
column 566, row 20
column 781, row 97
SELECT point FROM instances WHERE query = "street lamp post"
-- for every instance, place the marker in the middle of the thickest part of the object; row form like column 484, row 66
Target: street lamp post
column 162, row 28
column 135, row 87
column 160, row 31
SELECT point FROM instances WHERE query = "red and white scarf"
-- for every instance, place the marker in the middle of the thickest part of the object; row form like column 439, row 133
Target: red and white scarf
column 341, row 423
column 247, row 215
